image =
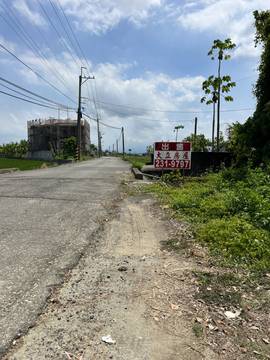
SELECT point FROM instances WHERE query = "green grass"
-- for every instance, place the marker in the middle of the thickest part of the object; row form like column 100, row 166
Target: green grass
column 198, row 330
column 21, row 164
column 228, row 212
column 137, row 161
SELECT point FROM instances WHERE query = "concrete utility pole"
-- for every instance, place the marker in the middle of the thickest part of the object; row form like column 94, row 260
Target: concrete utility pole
column 117, row 146
column 99, row 137
column 123, row 140
column 79, row 112
column 113, row 148
column 195, row 126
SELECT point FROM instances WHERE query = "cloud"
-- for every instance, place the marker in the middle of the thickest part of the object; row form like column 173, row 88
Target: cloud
column 228, row 18
column 100, row 16
column 32, row 16
column 8, row 44
column 150, row 90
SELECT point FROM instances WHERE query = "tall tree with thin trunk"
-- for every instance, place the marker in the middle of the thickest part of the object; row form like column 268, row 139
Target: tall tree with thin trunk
column 216, row 86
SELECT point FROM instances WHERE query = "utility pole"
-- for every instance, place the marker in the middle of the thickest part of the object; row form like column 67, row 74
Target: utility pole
column 123, row 140
column 99, row 137
column 195, row 126
column 113, row 148
column 117, row 146
column 79, row 116
column 79, row 112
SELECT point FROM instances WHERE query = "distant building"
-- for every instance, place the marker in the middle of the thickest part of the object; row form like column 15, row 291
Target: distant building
column 46, row 137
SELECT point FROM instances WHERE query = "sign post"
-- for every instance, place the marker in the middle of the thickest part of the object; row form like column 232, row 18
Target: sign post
column 172, row 155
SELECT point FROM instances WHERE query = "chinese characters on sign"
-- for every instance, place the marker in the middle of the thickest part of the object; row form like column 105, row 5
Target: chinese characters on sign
column 172, row 155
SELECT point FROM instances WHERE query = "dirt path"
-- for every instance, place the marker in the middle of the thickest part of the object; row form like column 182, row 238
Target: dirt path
column 125, row 286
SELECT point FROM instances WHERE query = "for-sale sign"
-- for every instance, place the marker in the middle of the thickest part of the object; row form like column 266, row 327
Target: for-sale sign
column 172, row 155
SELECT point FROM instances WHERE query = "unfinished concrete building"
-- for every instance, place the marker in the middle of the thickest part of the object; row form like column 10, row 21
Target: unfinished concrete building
column 46, row 136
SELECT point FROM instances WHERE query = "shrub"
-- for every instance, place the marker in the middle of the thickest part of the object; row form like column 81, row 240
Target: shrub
column 237, row 240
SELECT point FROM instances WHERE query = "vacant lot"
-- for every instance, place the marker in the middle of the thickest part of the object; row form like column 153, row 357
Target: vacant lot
column 21, row 164
column 138, row 161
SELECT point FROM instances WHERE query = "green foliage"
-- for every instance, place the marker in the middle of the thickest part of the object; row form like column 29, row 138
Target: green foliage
column 15, row 149
column 237, row 240
column 173, row 177
column 229, row 211
column 251, row 140
column 137, row 161
column 150, row 149
column 93, row 149
column 21, row 164
column 69, row 147
column 220, row 49
column 199, row 142
column 213, row 86
column 197, row 329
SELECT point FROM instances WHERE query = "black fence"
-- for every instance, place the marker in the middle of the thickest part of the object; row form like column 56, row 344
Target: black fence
column 204, row 161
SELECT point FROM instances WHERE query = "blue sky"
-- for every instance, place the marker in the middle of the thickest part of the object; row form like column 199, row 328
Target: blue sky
column 146, row 54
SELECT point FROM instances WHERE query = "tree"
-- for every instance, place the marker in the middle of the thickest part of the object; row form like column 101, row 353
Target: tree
column 199, row 142
column 252, row 139
column 69, row 147
column 214, row 87
column 15, row 149
column 150, row 149
column 93, row 149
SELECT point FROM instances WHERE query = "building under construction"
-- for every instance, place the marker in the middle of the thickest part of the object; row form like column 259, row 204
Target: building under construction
column 46, row 136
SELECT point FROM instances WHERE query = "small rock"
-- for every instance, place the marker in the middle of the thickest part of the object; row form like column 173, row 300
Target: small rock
column 232, row 315
column 108, row 339
column 122, row 268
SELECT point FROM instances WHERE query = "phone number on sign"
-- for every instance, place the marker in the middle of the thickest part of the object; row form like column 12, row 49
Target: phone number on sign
column 172, row 164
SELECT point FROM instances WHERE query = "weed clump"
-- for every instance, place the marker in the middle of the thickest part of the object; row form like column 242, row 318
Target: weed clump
column 229, row 211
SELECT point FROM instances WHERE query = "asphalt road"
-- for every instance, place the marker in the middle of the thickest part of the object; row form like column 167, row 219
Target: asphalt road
column 47, row 219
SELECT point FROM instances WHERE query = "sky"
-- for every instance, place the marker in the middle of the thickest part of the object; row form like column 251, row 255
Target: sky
column 148, row 57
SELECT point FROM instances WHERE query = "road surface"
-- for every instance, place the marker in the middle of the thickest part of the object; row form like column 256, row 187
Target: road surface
column 47, row 220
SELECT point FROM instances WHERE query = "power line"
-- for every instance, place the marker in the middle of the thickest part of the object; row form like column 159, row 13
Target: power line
column 35, row 72
column 29, row 101
column 73, row 42
column 77, row 52
column 29, row 41
column 21, row 93
column 35, row 94
column 101, row 122
column 57, row 32
column 168, row 111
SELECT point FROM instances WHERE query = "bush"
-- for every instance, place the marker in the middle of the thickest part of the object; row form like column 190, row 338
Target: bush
column 230, row 211
column 237, row 240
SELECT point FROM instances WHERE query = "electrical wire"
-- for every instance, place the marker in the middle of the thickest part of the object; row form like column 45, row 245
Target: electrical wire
column 35, row 94
column 78, row 53
column 101, row 122
column 57, row 32
column 35, row 72
column 21, row 93
column 29, row 101
column 27, row 39
column 169, row 111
